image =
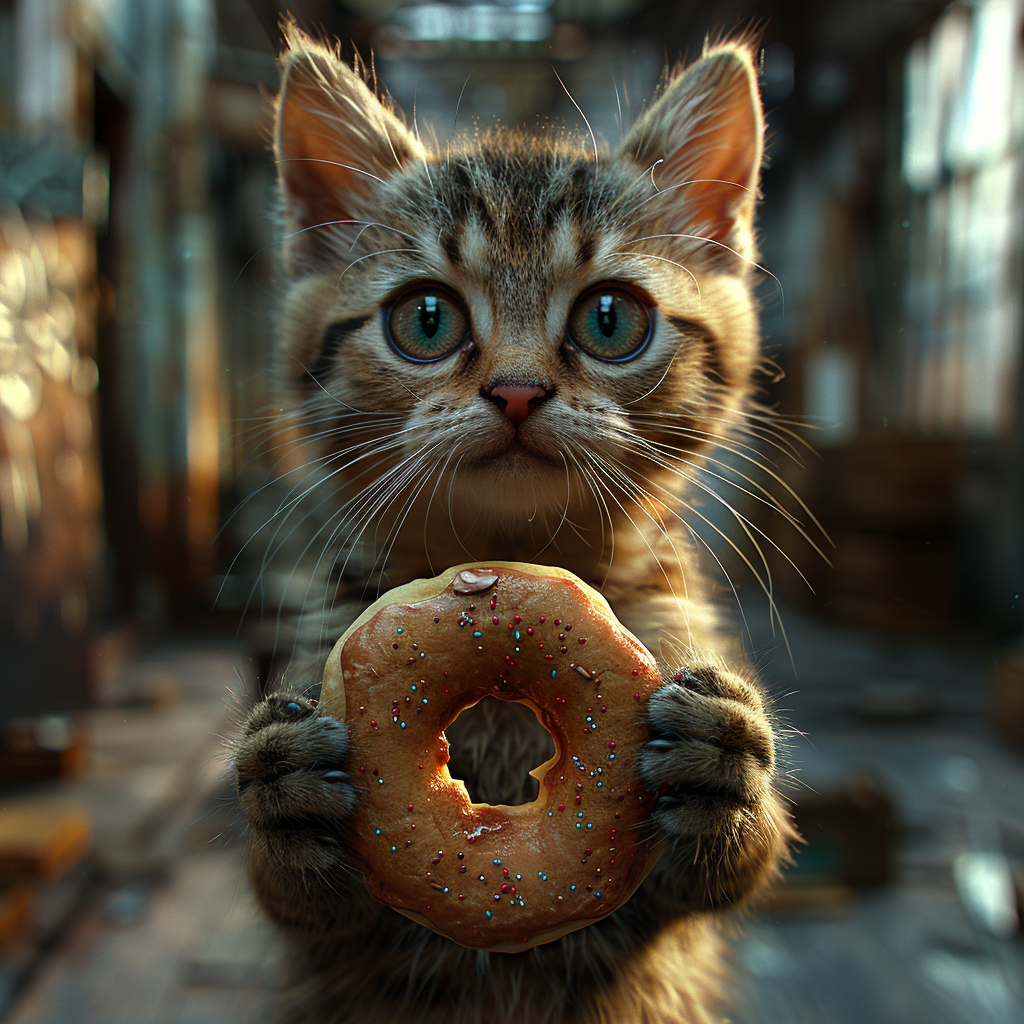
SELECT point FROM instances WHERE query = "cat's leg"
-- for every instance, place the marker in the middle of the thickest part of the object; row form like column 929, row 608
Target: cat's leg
column 295, row 792
column 711, row 761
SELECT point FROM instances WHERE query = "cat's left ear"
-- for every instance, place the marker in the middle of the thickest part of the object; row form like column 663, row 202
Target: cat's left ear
column 703, row 140
column 335, row 143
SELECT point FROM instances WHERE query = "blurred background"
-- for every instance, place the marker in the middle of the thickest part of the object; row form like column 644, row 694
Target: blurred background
column 138, row 613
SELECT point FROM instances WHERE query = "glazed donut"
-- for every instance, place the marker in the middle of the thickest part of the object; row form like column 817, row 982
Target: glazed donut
column 496, row 877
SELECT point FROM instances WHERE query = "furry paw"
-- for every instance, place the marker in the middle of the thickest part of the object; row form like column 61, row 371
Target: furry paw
column 292, row 783
column 712, row 754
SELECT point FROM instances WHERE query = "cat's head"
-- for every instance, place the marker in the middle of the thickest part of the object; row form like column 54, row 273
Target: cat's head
column 518, row 314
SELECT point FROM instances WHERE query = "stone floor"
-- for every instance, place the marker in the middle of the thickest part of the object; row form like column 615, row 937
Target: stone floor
column 167, row 932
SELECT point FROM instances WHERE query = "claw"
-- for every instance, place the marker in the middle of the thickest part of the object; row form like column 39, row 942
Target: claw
column 336, row 777
column 660, row 745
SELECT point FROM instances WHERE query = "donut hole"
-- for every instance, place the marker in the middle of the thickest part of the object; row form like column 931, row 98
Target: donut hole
column 493, row 746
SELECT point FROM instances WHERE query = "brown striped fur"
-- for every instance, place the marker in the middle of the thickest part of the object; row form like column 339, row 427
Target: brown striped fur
column 428, row 472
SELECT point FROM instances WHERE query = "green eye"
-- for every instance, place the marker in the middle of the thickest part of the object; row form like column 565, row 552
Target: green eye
column 610, row 324
column 426, row 324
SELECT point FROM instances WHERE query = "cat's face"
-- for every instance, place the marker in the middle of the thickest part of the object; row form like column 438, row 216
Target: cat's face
column 515, row 322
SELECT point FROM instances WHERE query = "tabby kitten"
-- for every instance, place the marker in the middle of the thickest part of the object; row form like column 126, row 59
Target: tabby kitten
column 520, row 348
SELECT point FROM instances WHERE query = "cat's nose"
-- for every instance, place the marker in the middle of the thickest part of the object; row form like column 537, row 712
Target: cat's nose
column 517, row 401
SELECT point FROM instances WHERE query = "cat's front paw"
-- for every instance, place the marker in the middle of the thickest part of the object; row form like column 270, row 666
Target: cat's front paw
column 293, row 787
column 711, row 762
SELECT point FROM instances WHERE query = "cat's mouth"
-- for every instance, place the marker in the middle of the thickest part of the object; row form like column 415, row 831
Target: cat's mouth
column 519, row 453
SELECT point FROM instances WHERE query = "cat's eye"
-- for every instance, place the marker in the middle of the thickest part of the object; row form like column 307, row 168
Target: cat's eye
column 426, row 323
column 610, row 323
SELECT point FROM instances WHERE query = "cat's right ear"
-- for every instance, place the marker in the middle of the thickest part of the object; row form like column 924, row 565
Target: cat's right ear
column 335, row 142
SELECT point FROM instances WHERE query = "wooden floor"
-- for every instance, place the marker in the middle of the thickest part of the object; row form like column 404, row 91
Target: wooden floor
column 167, row 932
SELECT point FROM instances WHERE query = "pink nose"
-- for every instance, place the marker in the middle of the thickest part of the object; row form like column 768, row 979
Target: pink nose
column 517, row 400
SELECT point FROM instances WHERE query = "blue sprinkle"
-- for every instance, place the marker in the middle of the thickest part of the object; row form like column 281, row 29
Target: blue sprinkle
column 572, row 888
column 481, row 878
column 377, row 831
column 611, row 757
column 540, row 874
column 579, row 814
column 590, row 826
column 597, row 895
column 599, row 770
column 519, row 878
column 551, row 814
column 380, row 782
column 543, row 878
column 553, row 673
column 413, row 687
column 403, row 725
column 497, row 896
column 578, row 825
column 393, row 848
column 476, row 632
column 600, row 784
column 517, row 634
column 425, row 700
column 445, row 889
column 496, row 862
column 400, row 630
column 487, row 912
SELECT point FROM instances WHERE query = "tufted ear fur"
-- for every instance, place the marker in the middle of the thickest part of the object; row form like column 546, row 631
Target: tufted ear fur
column 334, row 143
column 703, row 138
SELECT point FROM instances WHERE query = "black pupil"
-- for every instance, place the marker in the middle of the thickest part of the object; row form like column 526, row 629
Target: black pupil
column 606, row 317
column 430, row 315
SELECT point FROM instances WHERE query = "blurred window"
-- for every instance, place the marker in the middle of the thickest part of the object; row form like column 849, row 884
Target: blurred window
column 962, row 160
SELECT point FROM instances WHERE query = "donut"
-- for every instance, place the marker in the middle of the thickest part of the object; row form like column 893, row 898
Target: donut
column 496, row 877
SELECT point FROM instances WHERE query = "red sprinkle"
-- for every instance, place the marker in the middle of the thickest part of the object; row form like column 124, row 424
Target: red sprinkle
column 543, row 618
column 410, row 807
column 636, row 696
column 495, row 619
column 582, row 639
column 561, row 807
column 611, row 743
column 517, row 618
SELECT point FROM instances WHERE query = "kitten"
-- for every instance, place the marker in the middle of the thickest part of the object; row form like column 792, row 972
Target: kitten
column 520, row 348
